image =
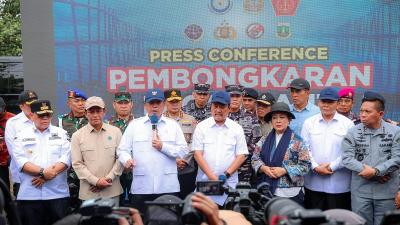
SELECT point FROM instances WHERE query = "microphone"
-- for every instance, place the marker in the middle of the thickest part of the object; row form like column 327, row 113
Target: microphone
column 154, row 121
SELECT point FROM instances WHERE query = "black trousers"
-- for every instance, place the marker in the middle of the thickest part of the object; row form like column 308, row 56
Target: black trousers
column 16, row 189
column 325, row 201
column 42, row 212
column 137, row 201
column 4, row 175
column 187, row 183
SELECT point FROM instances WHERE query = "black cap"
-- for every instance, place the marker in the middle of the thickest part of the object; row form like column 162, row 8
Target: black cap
column 373, row 96
column 234, row 89
column 27, row 97
column 202, row 88
column 41, row 107
column 250, row 92
column 266, row 98
column 122, row 96
column 299, row 84
column 164, row 215
column 279, row 107
column 173, row 94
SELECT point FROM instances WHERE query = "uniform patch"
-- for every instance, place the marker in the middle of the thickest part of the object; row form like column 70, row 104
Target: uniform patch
column 28, row 139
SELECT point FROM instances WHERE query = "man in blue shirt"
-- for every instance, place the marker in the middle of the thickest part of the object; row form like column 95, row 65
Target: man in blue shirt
column 301, row 107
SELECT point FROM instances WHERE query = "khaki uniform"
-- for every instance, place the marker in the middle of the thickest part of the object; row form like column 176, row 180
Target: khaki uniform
column 94, row 157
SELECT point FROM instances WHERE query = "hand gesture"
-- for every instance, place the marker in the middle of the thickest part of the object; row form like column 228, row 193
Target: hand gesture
column 156, row 142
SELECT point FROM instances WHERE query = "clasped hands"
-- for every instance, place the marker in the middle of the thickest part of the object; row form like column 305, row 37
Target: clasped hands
column 273, row 172
column 49, row 174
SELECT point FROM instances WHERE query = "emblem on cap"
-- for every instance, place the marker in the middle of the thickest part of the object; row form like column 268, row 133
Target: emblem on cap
column 31, row 95
column 44, row 106
column 173, row 94
column 154, row 92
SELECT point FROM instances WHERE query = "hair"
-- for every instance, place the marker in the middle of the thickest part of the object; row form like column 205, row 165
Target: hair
column 379, row 105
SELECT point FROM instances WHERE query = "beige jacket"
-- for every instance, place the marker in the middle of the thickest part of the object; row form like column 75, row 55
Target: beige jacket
column 94, row 156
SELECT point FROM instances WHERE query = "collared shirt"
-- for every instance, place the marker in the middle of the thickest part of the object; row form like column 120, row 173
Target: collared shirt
column 325, row 140
column 188, row 124
column 380, row 149
column 220, row 145
column 14, row 126
column 199, row 114
column 43, row 149
column 155, row 171
column 297, row 124
column 94, row 156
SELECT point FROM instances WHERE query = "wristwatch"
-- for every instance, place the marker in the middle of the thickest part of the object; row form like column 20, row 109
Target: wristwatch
column 376, row 172
column 227, row 175
column 41, row 174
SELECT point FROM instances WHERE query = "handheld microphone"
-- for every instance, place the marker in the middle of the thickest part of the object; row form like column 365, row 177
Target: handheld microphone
column 154, row 121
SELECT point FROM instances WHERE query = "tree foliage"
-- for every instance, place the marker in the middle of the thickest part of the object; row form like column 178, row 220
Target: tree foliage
column 10, row 28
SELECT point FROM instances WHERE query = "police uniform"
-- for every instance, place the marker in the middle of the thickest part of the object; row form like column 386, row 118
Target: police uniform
column 71, row 124
column 122, row 124
column 252, row 132
column 186, row 176
column 44, row 149
column 191, row 109
column 380, row 149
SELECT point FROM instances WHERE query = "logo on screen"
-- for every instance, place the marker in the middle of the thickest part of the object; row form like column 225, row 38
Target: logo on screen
column 225, row 31
column 253, row 6
column 220, row 6
column 285, row 7
column 283, row 30
column 255, row 30
column 193, row 32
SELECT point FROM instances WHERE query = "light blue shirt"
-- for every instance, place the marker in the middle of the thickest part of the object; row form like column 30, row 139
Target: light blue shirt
column 309, row 111
column 155, row 171
column 43, row 149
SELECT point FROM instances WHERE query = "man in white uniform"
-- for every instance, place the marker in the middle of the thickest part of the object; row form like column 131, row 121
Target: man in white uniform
column 150, row 146
column 42, row 153
column 220, row 145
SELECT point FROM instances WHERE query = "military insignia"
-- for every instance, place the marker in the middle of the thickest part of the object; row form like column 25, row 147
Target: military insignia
column 255, row 30
column 44, row 106
column 253, row 6
column 193, row 32
column 225, row 31
column 71, row 94
column 154, row 92
column 285, row 7
column 31, row 95
column 283, row 30
column 173, row 94
column 220, row 6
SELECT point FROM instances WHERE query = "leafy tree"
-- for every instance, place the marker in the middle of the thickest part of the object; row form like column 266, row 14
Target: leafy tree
column 10, row 28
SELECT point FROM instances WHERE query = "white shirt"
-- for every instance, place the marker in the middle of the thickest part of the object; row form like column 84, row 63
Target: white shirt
column 44, row 150
column 325, row 140
column 155, row 171
column 220, row 145
column 13, row 126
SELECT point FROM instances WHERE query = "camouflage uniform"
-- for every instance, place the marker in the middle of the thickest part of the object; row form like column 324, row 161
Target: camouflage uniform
column 252, row 131
column 199, row 114
column 122, row 124
column 71, row 124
